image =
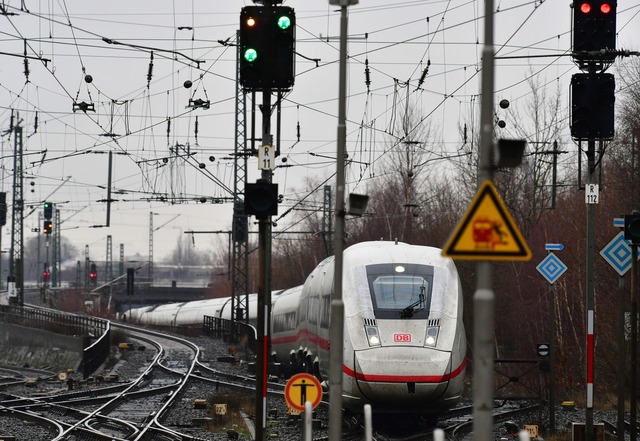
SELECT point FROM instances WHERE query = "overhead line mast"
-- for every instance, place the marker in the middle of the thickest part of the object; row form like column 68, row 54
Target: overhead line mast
column 15, row 282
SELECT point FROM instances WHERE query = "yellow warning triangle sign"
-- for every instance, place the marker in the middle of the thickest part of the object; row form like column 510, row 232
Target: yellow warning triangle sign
column 487, row 231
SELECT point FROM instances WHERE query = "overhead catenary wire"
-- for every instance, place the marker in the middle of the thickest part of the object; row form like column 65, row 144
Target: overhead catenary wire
column 383, row 83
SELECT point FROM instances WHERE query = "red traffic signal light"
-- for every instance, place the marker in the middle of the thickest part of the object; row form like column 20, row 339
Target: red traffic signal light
column 93, row 274
column 594, row 30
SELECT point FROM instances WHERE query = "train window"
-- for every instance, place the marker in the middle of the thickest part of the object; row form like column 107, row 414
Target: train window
column 325, row 311
column 400, row 291
column 314, row 305
column 284, row 322
column 304, row 305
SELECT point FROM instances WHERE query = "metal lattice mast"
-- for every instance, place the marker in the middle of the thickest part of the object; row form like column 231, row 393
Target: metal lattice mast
column 151, row 248
column 109, row 262
column 240, row 257
column 16, row 261
column 121, row 264
column 56, row 255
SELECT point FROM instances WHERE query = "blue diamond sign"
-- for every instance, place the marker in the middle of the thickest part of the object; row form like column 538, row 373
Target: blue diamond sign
column 618, row 254
column 551, row 268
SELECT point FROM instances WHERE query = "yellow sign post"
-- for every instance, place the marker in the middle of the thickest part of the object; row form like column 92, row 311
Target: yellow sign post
column 302, row 388
column 487, row 231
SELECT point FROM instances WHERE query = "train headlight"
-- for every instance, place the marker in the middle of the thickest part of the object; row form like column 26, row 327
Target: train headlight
column 373, row 337
column 431, row 338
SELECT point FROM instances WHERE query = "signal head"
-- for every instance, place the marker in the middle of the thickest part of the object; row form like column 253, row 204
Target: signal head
column 632, row 228
column 47, row 227
column 48, row 210
column 594, row 32
column 261, row 199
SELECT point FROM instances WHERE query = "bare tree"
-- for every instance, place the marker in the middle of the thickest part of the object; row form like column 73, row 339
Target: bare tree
column 186, row 253
column 398, row 195
column 527, row 190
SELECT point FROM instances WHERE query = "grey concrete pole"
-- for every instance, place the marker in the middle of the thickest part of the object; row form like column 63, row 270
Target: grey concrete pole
column 484, row 298
column 336, row 333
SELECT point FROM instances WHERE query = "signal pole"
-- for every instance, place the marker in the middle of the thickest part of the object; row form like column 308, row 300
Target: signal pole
column 264, row 286
column 267, row 63
column 591, row 227
column 592, row 118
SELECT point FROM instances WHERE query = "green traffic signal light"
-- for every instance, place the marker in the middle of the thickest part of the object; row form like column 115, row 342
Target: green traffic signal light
column 250, row 55
column 48, row 210
column 284, row 22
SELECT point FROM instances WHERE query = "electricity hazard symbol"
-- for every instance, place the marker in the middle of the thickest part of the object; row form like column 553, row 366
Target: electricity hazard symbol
column 487, row 231
column 302, row 388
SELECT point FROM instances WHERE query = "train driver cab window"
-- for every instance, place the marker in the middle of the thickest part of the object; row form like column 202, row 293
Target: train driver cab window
column 400, row 290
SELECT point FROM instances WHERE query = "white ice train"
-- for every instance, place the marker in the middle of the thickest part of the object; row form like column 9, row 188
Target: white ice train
column 188, row 313
column 404, row 340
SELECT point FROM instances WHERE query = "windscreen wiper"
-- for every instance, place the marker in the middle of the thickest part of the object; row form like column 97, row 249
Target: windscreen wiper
column 407, row 312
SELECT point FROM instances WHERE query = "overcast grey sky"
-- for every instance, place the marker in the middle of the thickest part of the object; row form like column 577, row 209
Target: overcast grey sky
column 142, row 119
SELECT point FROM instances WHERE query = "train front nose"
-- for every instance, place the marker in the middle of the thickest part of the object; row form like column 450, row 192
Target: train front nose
column 409, row 377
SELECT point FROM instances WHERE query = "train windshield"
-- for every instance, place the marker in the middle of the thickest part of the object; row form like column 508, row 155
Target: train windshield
column 400, row 290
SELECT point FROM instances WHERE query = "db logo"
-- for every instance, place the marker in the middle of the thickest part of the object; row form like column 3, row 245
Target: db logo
column 402, row 338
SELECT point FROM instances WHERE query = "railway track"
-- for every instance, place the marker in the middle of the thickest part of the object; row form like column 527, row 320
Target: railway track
column 131, row 410
column 152, row 400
